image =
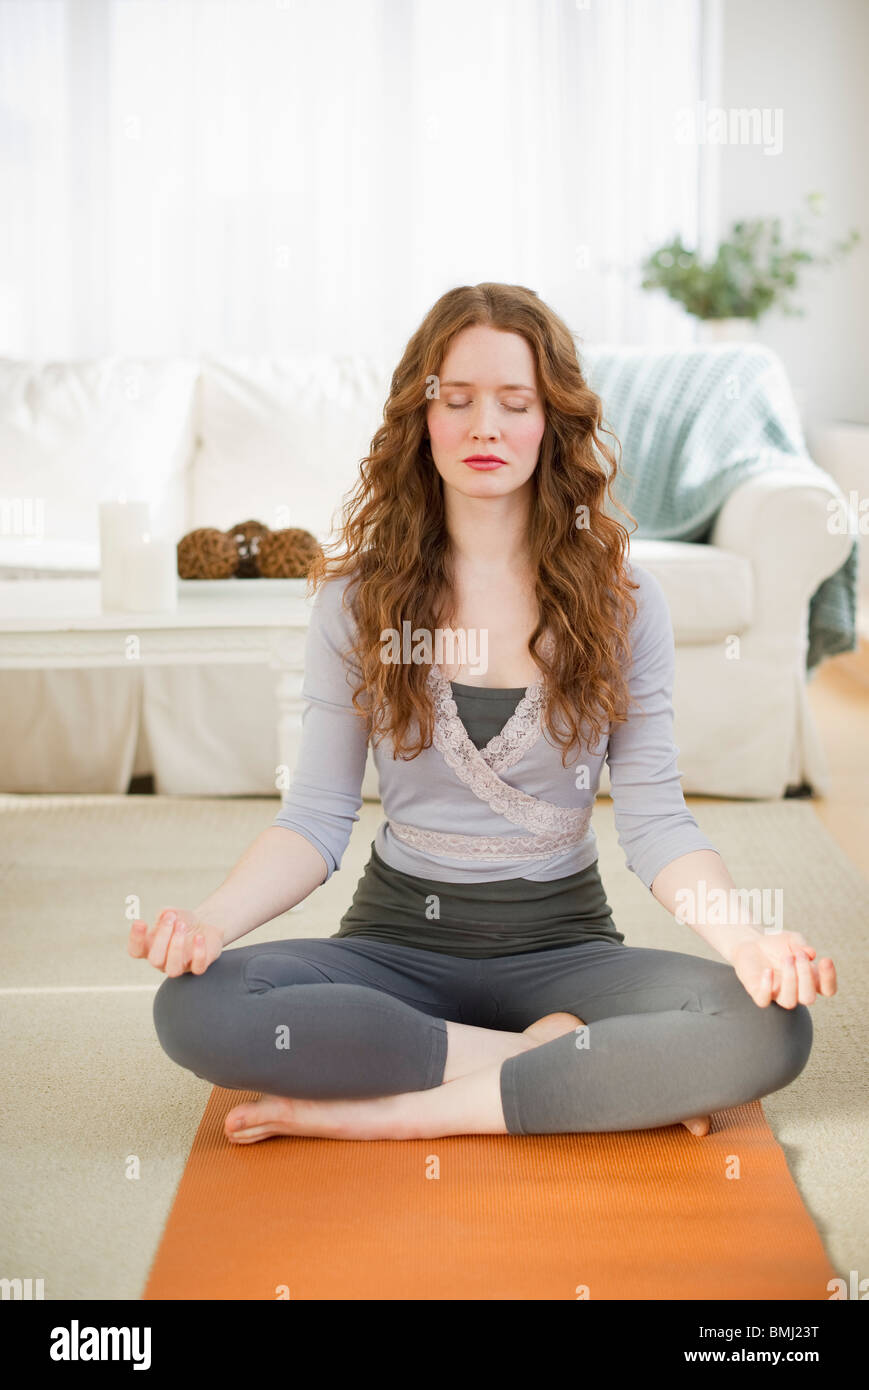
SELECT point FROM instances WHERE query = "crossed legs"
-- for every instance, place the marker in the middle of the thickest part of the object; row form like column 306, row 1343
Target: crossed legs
column 371, row 1042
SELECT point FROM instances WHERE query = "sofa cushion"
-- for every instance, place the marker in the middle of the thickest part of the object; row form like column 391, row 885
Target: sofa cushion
column 280, row 439
column 73, row 434
column 29, row 557
column 709, row 590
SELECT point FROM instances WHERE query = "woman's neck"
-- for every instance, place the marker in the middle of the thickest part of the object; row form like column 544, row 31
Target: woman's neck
column 488, row 535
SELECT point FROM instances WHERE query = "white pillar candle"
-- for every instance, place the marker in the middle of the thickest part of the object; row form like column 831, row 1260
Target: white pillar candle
column 121, row 523
column 150, row 577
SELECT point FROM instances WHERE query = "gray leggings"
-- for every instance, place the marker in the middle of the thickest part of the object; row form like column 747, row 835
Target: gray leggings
column 670, row 1035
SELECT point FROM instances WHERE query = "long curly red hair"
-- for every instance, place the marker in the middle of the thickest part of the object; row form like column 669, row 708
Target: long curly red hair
column 394, row 543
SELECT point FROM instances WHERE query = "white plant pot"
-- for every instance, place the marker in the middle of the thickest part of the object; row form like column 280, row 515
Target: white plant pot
column 727, row 331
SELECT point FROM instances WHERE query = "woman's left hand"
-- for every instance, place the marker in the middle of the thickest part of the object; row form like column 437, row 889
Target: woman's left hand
column 781, row 966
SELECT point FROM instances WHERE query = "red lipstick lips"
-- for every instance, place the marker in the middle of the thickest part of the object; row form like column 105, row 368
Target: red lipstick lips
column 483, row 462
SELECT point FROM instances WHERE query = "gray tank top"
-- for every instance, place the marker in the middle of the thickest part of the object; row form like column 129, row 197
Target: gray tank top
column 475, row 920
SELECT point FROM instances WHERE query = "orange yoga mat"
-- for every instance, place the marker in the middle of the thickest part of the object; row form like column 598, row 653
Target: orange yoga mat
column 645, row 1214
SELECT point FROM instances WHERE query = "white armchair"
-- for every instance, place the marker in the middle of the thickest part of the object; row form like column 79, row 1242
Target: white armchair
column 739, row 605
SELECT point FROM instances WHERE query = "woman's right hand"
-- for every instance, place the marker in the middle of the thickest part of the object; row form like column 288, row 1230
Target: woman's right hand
column 177, row 944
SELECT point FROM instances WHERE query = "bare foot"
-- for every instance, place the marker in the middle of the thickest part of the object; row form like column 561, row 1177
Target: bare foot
column 383, row 1117
column 698, row 1124
column 350, row 1118
column 554, row 1025
column 378, row 1118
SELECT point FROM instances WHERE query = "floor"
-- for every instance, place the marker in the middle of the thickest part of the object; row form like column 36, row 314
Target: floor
column 839, row 696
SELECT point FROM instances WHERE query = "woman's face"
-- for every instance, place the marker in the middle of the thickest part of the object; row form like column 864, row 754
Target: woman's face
column 488, row 406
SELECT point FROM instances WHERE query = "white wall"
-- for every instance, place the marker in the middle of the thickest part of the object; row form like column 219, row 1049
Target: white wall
column 809, row 58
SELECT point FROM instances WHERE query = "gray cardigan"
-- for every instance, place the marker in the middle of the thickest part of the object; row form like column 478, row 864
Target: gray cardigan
column 511, row 810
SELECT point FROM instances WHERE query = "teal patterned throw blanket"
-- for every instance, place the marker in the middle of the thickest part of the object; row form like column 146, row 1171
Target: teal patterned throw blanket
column 694, row 423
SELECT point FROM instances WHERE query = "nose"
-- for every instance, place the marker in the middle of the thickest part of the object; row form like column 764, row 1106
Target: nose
column 484, row 424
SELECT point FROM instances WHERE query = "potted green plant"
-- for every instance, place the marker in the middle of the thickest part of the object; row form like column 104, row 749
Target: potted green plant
column 754, row 270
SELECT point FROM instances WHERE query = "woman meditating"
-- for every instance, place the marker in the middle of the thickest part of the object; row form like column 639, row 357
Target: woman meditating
column 485, row 631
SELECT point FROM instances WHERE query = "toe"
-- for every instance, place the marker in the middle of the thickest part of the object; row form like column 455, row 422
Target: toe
column 249, row 1136
column 264, row 1115
column 240, row 1118
column 698, row 1124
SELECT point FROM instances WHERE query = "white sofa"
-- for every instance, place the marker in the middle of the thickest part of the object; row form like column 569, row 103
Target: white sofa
column 215, row 441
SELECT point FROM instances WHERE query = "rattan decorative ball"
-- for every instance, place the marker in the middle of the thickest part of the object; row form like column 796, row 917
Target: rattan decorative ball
column 287, row 554
column 247, row 537
column 207, row 553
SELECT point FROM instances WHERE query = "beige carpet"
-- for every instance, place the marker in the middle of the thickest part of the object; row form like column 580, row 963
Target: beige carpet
column 98, row 1122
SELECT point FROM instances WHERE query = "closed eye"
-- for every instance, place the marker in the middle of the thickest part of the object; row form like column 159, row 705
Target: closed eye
column 516, row 409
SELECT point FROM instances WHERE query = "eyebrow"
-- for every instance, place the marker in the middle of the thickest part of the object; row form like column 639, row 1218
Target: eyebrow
column 511, row 386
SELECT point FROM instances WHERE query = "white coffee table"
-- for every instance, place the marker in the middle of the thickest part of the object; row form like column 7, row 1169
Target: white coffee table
column 50, row 623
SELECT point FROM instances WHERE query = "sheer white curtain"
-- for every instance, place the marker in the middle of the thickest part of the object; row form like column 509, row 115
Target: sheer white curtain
column 286, row 176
